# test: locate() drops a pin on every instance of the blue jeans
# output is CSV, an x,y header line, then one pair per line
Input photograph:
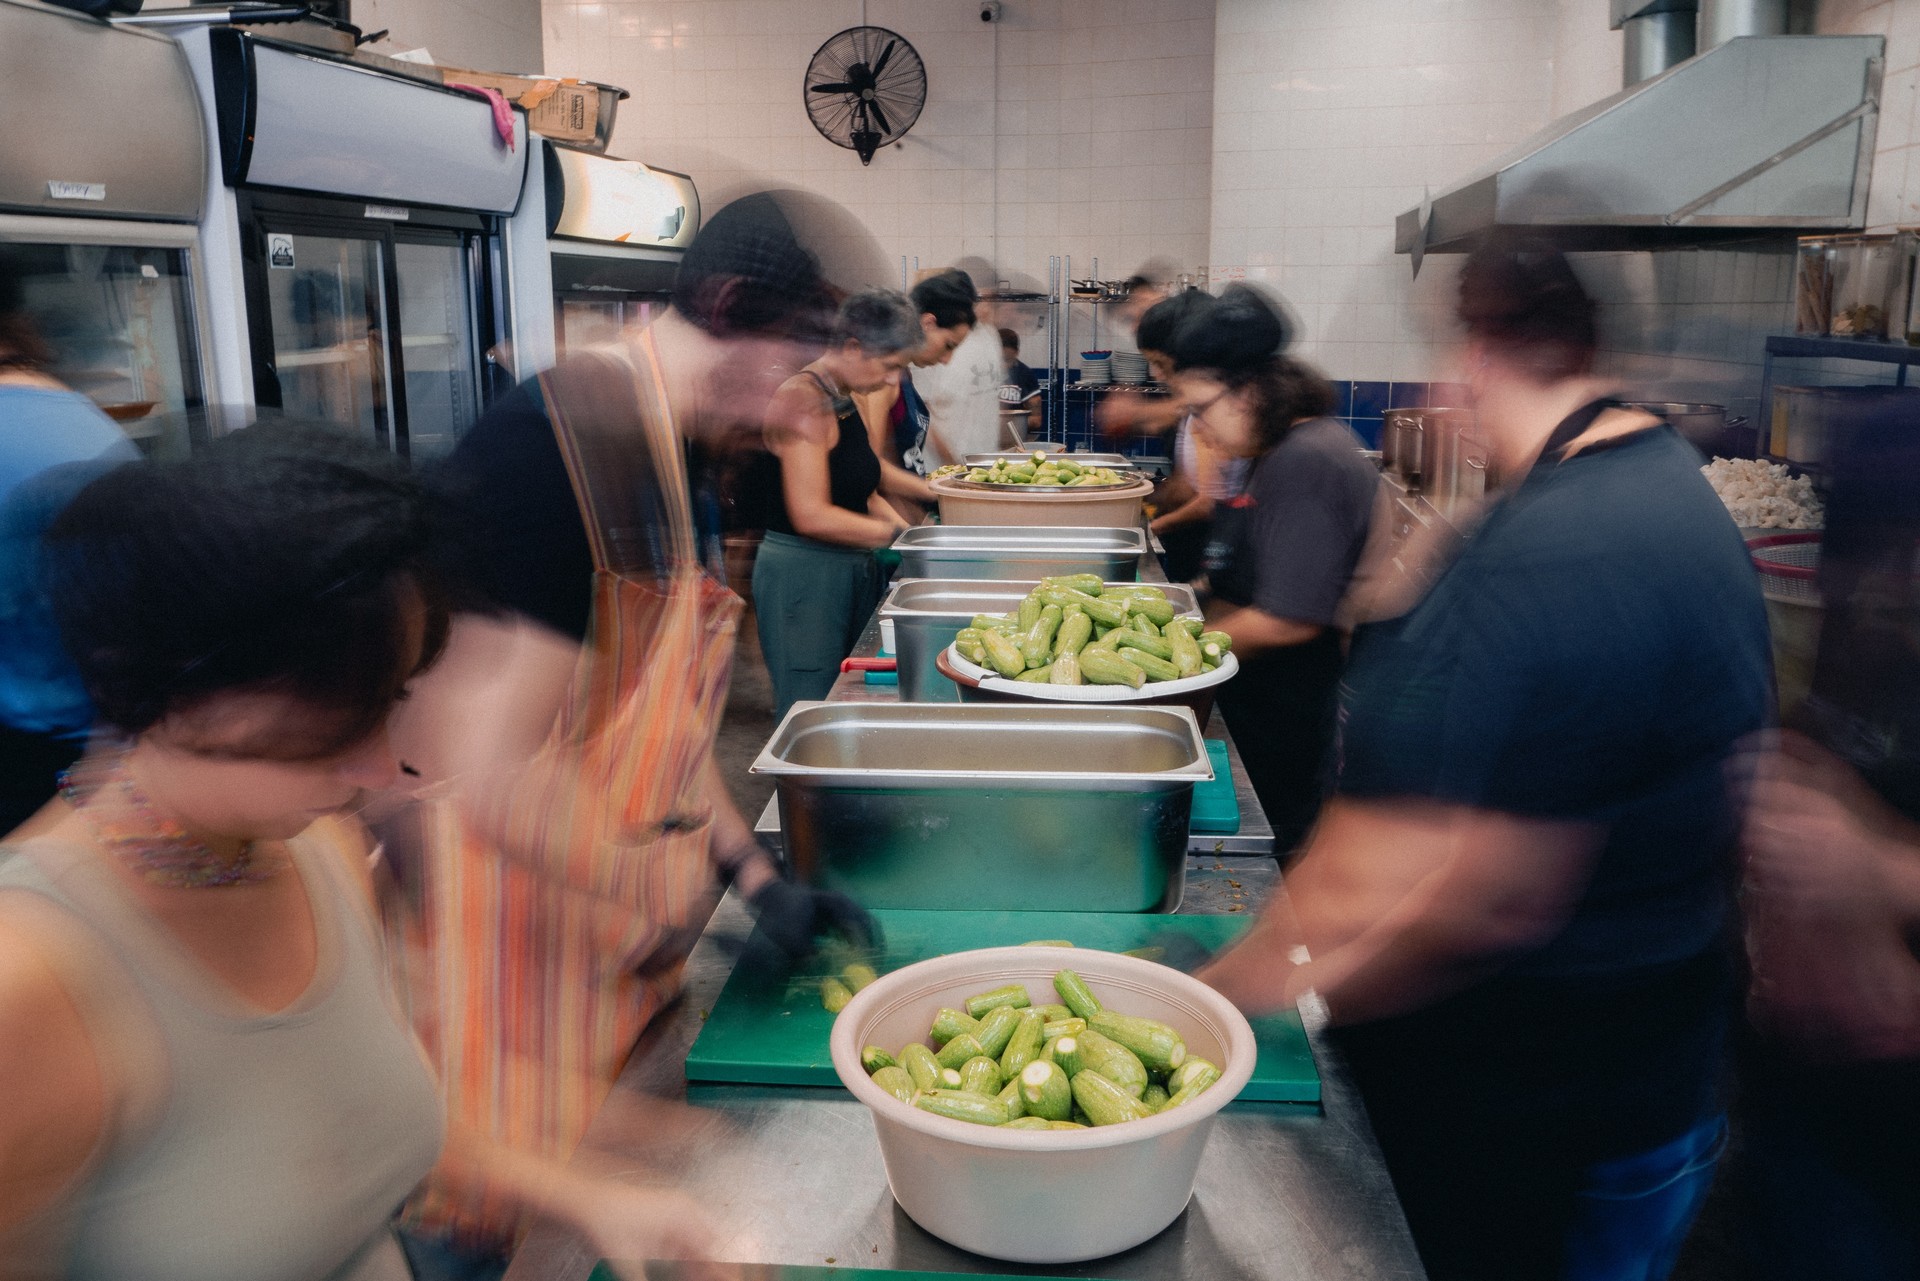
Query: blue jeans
x,y
1631,1214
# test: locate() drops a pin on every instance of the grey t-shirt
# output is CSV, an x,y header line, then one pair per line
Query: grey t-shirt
x,y
1288,545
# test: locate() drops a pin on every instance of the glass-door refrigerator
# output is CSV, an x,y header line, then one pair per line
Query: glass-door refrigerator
x,y
98,214
618,230
370,210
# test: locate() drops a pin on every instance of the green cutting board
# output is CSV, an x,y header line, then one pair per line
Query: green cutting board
x,y
779,1036
656,1270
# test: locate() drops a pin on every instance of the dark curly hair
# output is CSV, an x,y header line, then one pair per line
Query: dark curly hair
x,y
1281,391
283,559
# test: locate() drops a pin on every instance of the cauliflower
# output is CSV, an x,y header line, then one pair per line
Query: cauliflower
x,y
1762,495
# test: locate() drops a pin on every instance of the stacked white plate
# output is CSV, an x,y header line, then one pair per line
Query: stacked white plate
x,y
1130,367
1096,369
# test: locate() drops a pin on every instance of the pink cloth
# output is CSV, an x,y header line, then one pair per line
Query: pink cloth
x,y
502,110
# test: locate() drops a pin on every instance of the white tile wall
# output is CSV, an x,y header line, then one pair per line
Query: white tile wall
x,y
1331,117
481,35
1079,127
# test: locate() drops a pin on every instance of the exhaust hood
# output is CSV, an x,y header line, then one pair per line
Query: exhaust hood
x,y
1762,134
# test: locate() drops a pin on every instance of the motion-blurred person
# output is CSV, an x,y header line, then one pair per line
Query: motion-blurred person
x,y
1021,390
1517,907
1202,476
1830,1080
52,441
963,392
203,1071
816,579
897,418
578,832
1282,552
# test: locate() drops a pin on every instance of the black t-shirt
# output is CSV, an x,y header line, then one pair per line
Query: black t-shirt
x,y
1289,544
1594,654
519,542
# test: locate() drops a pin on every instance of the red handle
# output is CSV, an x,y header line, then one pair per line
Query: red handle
x,y
869,664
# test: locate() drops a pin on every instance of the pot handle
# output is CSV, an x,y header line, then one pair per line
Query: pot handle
x,y
1738,420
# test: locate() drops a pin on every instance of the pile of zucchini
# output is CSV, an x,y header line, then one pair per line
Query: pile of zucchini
x,y
1005,1061
1040,469
1076,630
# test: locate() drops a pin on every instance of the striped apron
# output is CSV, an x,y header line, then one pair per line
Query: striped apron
x,y
536,963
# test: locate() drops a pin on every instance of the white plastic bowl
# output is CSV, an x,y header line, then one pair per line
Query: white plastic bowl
x,y
1056,1196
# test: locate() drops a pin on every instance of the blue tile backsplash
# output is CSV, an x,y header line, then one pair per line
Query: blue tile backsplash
x,y
1362,404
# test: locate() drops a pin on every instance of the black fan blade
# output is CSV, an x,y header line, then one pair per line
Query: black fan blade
x,y
838,86
881,65
879,116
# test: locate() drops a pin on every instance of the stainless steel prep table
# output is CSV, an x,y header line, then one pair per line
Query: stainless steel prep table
x,y
792,1175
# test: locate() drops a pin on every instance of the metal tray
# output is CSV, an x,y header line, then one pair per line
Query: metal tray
x,y
1012,553
927,613
995,808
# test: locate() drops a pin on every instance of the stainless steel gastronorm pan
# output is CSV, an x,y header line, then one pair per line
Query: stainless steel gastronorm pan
x,y
989,807
1014,552
927,613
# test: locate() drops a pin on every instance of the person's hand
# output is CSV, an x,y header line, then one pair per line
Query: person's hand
x,y
1175,949
1115,413
632,1224
793,918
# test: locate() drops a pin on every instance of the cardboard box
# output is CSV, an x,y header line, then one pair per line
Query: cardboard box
x,y
564,110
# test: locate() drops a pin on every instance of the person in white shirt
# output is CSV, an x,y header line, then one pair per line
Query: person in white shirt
x,y
963,395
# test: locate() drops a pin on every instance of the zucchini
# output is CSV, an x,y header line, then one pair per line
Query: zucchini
x,y
873,1058
1159,609
1075,994
1155,645
1103,1101
1100,665
1024,1045
1216,645
1003,656
834,995
895,1081
1009,1098
1028,1123
997,1029
1076,629
1138,622
1037,645
980,1075
1065,670
857,976
1069,1026
1089,584
1054,1013
959,1050
961,1106
920,1064
1187,658
1191,626
1013,995
1045,1091
1027,615
1194,1086
1037,675
1155,1044
990,623
972,646
949,1078
1156,669
1194,1066
1065,1125
949,1023
1156,1096
1065,1051
1114,1061
1102,609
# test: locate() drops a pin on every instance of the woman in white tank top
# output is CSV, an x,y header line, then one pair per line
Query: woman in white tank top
x,y
203,1074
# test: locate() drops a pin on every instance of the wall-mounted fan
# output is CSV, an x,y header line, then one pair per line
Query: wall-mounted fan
x,y
864,89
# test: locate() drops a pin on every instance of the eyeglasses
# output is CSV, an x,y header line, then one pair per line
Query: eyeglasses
x,y
1199,409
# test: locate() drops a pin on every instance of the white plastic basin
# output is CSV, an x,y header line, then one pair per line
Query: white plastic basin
x,y
1042,1196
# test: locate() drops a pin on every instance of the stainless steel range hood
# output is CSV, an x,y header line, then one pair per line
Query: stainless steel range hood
x,y
1766,134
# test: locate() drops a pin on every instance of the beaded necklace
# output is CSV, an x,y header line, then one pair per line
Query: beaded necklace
x,y
150,842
